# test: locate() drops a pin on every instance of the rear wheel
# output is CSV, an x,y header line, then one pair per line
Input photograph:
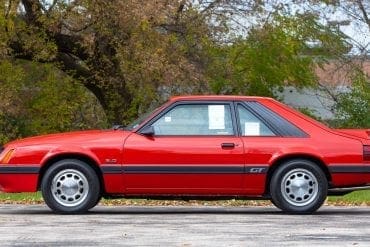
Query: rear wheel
x,y
97,202
298,186
70,186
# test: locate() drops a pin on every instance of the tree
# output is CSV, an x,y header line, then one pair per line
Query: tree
x,y
10,85
353,107
354,13
133,54
37,99
282,51
122,51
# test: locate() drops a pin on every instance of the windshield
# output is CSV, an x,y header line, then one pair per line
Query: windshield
x,y
140,119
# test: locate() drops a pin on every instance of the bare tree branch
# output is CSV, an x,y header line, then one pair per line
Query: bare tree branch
x,y
33,10
364,13
211,5
52,6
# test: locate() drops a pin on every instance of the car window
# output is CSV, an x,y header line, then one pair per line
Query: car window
x,y
196,119
277,122
141,119
250,125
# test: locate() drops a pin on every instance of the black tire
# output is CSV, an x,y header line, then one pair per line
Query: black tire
x,y
96,203
275,204
70,186
298,186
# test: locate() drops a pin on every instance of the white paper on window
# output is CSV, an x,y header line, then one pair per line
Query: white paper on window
x,y
167,119
252,129
216,117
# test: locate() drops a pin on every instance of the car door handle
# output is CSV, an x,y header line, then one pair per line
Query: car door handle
x,y
228,145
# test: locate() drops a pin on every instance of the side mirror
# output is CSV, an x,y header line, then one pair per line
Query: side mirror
x,y
148,131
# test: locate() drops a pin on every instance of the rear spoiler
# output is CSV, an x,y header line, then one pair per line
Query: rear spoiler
x,y
362,133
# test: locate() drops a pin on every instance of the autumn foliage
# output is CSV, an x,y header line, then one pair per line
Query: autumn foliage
x,y
90,63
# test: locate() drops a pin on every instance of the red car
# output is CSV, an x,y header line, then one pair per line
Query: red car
x,y
194,147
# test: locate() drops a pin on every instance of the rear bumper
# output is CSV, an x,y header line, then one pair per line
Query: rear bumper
x,y
349,175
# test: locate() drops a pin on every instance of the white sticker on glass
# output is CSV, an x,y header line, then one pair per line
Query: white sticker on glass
x,y
216,117
252,129
167,119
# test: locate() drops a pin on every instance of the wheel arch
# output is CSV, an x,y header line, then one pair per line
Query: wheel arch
x,y
77,156
302,156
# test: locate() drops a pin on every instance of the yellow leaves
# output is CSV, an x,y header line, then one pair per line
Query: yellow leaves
x,y
36,41
221,203
144,25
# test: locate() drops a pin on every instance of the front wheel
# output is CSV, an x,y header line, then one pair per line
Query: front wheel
x,y
298,186
70,186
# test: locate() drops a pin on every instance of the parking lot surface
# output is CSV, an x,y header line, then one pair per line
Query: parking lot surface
x,y
35,225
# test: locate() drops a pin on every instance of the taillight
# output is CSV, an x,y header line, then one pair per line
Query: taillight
x,y
367,153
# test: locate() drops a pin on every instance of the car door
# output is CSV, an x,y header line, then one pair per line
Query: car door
x,y
194,150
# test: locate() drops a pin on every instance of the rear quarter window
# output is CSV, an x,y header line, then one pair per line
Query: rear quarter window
x,y
278,123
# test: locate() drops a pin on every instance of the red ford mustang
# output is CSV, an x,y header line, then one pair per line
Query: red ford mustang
x,y
198,147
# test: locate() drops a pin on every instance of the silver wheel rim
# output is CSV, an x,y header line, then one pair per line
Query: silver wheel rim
x,y
299,187
70,187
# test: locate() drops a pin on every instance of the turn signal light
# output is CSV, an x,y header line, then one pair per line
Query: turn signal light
x,y
367,153
7,156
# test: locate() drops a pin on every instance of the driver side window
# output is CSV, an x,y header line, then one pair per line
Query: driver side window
x,y
196,119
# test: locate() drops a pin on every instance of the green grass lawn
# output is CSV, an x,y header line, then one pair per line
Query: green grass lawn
x,y
26,198
361,197
354,198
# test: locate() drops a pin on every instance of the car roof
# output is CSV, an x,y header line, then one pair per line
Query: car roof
x,y
216,97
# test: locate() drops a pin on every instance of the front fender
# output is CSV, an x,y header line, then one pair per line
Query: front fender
x,y
70,150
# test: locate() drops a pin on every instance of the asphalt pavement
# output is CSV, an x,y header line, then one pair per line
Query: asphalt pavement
x,y
35,225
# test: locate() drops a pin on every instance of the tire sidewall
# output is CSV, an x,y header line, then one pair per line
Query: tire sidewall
x,y
277,194
92,179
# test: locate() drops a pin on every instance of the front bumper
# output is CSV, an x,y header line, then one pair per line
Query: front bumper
x,y
18,178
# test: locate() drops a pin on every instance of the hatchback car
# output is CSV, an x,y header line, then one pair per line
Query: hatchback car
x,y
194,147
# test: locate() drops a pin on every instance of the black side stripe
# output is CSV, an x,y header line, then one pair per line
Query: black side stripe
x,y
183,169
350,169
111,169
142,169
180,169
19,169
260,169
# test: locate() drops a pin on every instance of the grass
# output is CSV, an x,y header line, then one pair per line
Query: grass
x,y
361,197
355,198
21,198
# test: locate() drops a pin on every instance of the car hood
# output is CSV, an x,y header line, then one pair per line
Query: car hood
x,y
75,137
